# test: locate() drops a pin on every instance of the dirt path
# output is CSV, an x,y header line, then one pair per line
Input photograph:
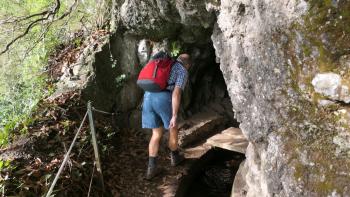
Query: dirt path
x,y
126,167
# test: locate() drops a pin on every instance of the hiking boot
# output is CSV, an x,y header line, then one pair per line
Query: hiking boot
x,y
176,159
152,172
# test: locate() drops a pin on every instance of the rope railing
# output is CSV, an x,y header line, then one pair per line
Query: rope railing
x,y
102,112
66,158
97,162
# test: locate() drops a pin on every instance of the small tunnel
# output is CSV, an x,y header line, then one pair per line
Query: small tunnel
x,y
211,174
206,88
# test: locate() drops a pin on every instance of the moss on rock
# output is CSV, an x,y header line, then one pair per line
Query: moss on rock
x,y
316,46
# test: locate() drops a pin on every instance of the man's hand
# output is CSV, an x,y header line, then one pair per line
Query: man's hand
x,y
173,122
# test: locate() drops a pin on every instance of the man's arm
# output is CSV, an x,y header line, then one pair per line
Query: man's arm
x,y
176,99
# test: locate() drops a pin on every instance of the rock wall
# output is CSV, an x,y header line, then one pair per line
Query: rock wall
x,y
286,66
273,55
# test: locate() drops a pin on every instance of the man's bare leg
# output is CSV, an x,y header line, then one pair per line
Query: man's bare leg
x,y
175,157
173,139
153,146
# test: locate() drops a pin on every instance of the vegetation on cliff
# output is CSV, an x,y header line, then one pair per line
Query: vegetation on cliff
x,y
31,32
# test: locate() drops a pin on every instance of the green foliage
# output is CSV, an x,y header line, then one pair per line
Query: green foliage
x,y
175,48
119,80
22,69
4,164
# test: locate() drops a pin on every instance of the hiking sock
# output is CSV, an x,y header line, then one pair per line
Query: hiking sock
x,y
152,162
176,158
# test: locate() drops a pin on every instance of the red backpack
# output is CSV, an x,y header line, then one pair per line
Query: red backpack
x,y
154,76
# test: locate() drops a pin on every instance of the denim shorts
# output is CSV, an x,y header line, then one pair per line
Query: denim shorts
x,y
156,109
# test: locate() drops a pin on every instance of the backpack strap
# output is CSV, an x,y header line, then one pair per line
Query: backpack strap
x,y
155,69
175,61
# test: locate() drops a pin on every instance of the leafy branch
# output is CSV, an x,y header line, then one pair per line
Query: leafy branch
x,y
45,17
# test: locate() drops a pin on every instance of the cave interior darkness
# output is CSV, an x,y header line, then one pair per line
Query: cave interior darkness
x,y
213,173
206,87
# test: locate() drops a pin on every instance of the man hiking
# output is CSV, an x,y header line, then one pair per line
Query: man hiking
x,y
160,110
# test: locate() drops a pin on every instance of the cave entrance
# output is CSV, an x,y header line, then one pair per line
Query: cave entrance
x,y
206,106
206,90
209,133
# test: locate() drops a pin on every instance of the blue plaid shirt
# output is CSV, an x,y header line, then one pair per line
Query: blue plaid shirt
x,y
178,77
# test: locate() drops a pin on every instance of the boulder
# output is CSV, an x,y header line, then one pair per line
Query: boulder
x,y
330,85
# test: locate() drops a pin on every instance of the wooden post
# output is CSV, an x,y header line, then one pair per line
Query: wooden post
x,y
94,144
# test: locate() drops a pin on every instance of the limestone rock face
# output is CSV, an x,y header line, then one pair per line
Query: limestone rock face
x,y
162,19
269,53
143,51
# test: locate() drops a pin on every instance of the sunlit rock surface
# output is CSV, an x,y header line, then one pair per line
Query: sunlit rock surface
x,y
330,85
